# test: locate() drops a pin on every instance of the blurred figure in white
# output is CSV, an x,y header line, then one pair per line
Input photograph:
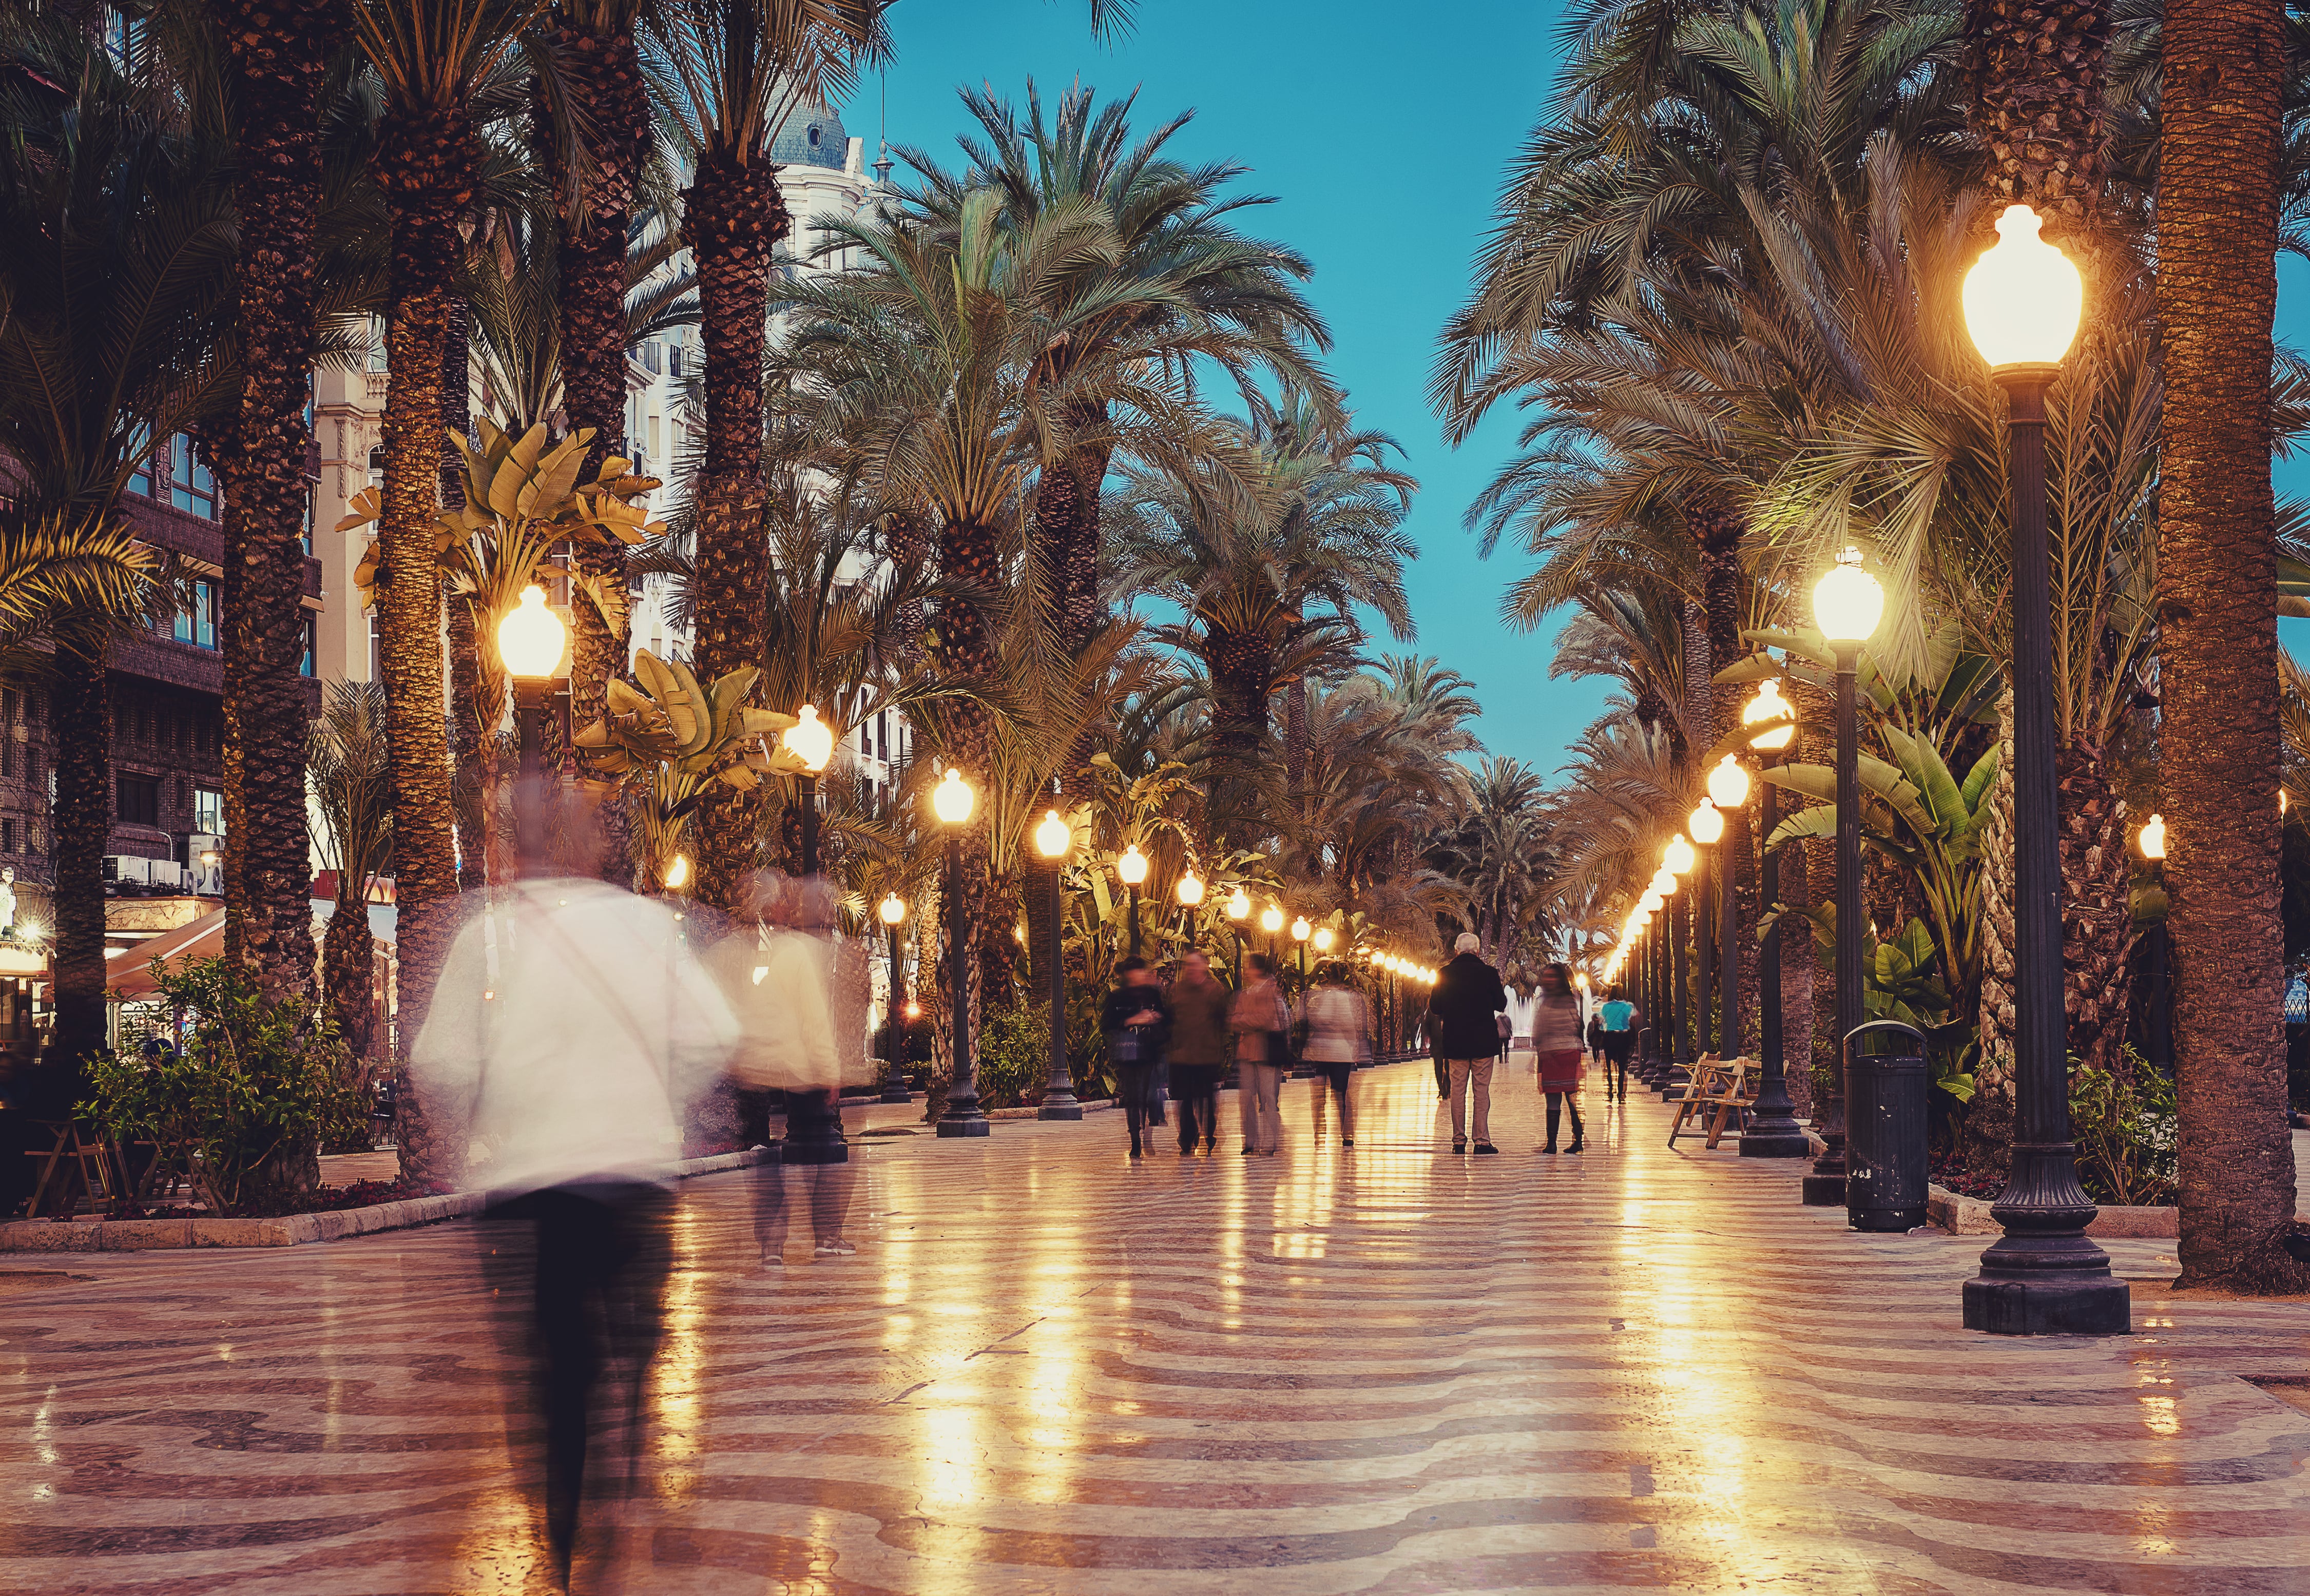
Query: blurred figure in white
x,y
571,1030
778,976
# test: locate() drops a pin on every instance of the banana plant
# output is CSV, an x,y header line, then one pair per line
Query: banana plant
x,y
671,739
1901,979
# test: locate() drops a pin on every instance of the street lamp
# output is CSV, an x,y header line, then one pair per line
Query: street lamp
x,y
1133,868
1846,604
810,741
892,913
1728,789
531,642
952,800
2159,1004
1053,839
1773,1130
1271,921
1706,825
1239,910
1190,891
2023,299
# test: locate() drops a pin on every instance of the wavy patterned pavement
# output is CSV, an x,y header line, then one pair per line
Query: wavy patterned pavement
x,y
1381,1370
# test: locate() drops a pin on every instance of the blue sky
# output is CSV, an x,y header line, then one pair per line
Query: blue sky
x,y
1383,144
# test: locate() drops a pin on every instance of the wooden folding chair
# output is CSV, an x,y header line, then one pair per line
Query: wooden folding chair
x,y
72,1155
1698,1093
1737,1093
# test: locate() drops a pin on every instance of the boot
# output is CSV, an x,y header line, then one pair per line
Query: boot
x,y
1555,1115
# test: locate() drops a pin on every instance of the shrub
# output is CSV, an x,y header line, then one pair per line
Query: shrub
x,y
2124,1126
1014,1054
257,1078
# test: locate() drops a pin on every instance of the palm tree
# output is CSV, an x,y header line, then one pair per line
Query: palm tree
x,y
2224,73
115,293
2036,104
350,763
428,56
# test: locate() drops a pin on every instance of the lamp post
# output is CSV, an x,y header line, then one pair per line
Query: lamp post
x,y
1706,825
1054,838
531,641
892,912
1133,868
1728,789
2159,1019
2022,301
1239,910
953,800
1677,859
1773,1130
810,741
1271,921
1190,891
1847,603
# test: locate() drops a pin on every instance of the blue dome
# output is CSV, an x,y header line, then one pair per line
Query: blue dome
x,y
813,136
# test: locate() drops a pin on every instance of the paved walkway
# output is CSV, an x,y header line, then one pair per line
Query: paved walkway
x,y
1382,1370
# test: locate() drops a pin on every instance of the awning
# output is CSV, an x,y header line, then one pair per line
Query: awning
x,y
130,977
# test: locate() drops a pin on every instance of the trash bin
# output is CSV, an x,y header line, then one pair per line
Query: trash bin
x,y
1885,1094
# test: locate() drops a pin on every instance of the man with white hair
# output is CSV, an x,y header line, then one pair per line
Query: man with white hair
x,y
1465,1003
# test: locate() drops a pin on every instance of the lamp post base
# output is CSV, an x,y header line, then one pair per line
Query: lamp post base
x,y
894,1086
2046,1276
980,1127
1775,1139
1059,1104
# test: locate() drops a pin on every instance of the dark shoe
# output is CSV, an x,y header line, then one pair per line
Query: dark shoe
x,y
1460,1145
1549,1148
1486,1146
1347,1141
1575,1147
1247,1150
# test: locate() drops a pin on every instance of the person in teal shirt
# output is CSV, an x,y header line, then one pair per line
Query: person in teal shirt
x,y
1619,1018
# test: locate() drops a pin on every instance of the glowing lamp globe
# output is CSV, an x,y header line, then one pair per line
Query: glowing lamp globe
x,y
1324,938
1271,918
1053,836
1132,866
1239,905
1650,903
1706,823
1847,603
2023,298
953,800
2153,839
1299,929
810,740
1678,857
1771,719
1663,883
531,636
677,874
1190,890
1728,783
893,909
1580,979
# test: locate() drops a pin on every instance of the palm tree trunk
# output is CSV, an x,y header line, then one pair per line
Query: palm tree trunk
x,y
348,958
2096,908
2035,68
732,220
1066,537
1719,533
1989,1117
425,165
2224,73
1238,671
970,559
472,727
279,54
79,820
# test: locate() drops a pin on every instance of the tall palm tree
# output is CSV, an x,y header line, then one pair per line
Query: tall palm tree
x,y
2036,108
116,295
2225,75
428,56
350,763
734,70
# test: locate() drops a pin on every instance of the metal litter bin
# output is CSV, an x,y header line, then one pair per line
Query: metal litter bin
x,y
1885,1093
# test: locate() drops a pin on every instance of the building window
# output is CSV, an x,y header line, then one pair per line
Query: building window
x,y
674,361
7,836
653,357
208,812
139,800
305,664
176,474
197,622
377,343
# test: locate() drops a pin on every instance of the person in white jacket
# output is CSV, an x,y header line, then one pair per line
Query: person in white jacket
x,y
571,1030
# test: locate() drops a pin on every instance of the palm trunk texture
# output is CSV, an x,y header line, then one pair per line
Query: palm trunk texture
x,y
732,220
348,966
1719,533
2035,68
2096,908
279,52
425,165
2225,71
1239,668
1989,1117
81,710
970,560
473,725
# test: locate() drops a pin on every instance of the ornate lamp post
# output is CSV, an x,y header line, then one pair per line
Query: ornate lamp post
x,y
1706,825
1133,869
1773,1130
1846,604
1190,891
953,800
531,642
2023,299
2159,1019
1053,839
1239,910
892,913
1728,789
810,741
1271,921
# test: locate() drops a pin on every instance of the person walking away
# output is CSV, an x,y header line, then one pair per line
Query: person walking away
x,y
1197,1052
1137,1020
572,1032
1339,1025
1465,1003
1619,1018
1263,1052
1556,1039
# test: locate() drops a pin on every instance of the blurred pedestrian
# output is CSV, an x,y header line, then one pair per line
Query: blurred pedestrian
x,y
1263,1052
569,1034
1619,1018
1339,1026
1137,1022
1465,1002
1197,1052
1556,1039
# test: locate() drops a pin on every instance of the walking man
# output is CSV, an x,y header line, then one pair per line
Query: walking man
x,y
1465,1003
1198,1053
1137,1022
1620,1019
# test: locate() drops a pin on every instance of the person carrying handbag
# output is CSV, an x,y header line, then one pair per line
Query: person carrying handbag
x,y
1556,1038
1261,1025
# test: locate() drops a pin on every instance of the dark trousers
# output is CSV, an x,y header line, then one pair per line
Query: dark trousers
x,y
1195,1089
1619,1046
591,1259
1136,1085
